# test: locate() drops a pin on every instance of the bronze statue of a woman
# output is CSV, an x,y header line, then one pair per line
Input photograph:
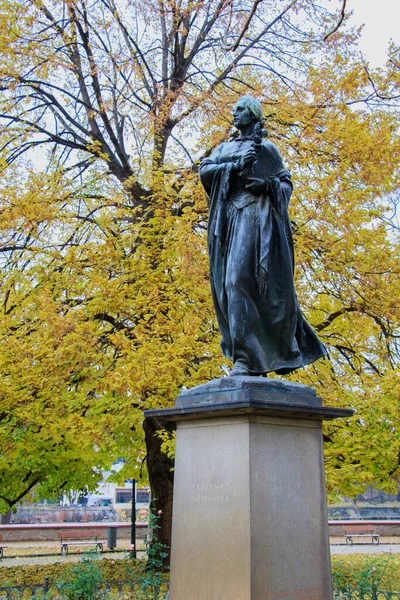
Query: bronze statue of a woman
x,y
251,252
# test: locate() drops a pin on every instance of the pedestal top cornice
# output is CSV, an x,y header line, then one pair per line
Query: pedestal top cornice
x,y
238,396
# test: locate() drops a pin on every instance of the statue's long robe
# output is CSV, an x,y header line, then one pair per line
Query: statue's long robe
x,y
251,264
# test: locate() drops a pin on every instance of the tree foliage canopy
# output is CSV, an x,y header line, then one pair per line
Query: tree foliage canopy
x,y
105,110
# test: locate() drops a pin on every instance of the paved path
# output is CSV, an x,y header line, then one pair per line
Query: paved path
x,y
336,548
48,560
50,554
360,548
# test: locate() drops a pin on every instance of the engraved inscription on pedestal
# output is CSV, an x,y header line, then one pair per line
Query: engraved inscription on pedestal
x,y
210,493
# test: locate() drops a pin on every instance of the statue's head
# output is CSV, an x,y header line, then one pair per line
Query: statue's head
x,y
246,110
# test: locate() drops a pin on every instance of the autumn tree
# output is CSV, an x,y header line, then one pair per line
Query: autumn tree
x,y
345,164
106,109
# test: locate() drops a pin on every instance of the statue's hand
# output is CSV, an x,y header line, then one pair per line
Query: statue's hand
x,y
248,158
257,185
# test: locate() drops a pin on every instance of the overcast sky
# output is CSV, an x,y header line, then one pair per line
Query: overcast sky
x,y
382,22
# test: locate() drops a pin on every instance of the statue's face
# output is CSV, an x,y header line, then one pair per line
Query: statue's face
x,y
242,115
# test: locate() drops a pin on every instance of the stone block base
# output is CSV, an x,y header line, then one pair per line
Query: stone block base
x,y
249,515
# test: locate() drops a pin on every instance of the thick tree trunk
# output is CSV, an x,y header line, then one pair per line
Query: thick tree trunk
x,y
5,519
161,477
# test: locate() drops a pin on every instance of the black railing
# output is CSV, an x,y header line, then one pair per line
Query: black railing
x,y
47,591
32,592
361,594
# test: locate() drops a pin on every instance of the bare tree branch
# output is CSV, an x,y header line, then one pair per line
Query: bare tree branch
x,y
340,21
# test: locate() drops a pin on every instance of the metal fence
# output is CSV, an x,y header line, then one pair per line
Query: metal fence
x,y
24,591
47,591
32,592
365,595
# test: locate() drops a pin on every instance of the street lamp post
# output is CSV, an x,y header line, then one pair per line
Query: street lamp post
x,y
133,519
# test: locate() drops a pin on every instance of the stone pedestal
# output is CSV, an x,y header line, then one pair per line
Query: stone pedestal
x,y
249,515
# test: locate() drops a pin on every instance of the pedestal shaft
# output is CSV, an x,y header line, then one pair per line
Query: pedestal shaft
x,y
249,519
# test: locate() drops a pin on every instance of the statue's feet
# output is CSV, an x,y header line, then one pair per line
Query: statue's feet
x,y
239,371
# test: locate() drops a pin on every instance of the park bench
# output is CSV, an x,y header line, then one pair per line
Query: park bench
x,y
75,538
361,531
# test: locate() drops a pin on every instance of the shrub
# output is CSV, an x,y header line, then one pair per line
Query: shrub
x,y
29,574
366,573
83,580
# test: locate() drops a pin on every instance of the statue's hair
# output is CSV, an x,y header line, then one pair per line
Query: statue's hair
x,y
256,109
253,105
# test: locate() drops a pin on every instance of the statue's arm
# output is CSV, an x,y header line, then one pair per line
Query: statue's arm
x,y
283,174
287,189
210,166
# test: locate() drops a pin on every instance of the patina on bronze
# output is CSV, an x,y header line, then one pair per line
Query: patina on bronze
x,y
251,252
